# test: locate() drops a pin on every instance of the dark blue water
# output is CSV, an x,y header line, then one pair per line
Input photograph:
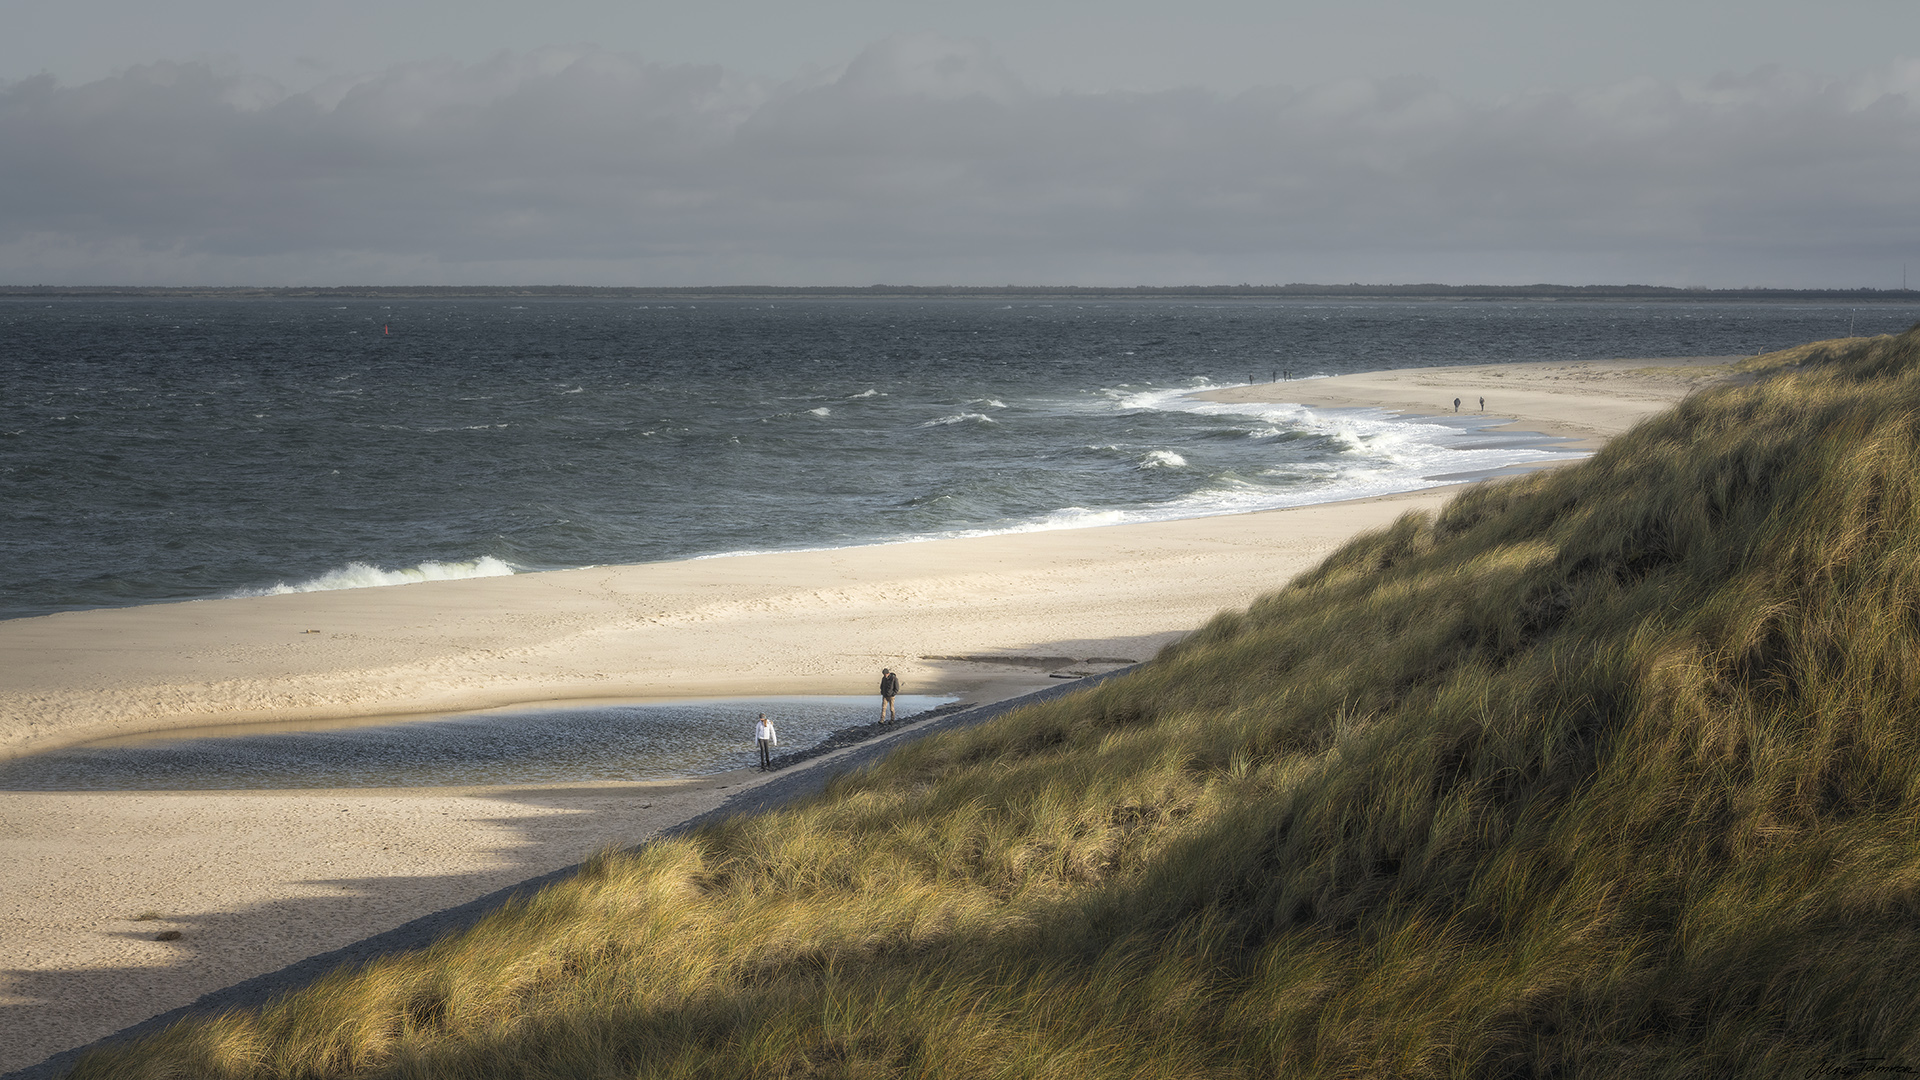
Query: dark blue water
x,y
155,450
521,746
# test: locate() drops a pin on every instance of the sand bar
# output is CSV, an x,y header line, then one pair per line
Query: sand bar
x,y
1584,400
257,880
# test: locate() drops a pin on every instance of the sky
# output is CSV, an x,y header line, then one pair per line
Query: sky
x,y
854,142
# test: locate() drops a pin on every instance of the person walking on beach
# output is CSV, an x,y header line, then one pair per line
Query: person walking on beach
x,y
1456,404
889,686
763,735
1483,404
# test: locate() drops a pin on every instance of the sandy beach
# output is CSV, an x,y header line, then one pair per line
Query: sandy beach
x,y
1583,400
256,880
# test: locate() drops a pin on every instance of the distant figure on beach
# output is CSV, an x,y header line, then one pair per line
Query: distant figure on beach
x,y
889,686
1456,404
1483,404
763,735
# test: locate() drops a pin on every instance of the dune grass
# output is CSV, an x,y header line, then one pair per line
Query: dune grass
x,y
1609,771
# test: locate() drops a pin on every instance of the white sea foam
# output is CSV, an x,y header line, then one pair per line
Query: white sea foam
x,y
1354,454
1166,397
865,393
359,575
1360,453
960,418
822,411
1072,517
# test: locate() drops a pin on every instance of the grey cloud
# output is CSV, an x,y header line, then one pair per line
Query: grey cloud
x,y
925,160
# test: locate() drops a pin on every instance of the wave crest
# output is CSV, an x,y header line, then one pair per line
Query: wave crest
x,y
359,575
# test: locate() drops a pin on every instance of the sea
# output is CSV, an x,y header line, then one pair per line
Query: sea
x,y
160,450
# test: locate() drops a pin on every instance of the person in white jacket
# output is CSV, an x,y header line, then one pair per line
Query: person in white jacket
x,y
763,734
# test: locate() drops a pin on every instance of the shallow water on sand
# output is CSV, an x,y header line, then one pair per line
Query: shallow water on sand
x,y
518,746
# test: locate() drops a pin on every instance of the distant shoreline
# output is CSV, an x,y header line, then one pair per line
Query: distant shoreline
x,y
1542,292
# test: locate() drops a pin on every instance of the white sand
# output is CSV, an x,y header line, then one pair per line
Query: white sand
x,y
257,880
1586,400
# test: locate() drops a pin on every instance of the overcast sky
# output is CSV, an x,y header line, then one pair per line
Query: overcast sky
x,y
848,142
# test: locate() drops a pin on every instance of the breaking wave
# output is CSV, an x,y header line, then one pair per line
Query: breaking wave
x,y
359,575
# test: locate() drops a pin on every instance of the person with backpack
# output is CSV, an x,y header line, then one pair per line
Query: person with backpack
x,y
889,686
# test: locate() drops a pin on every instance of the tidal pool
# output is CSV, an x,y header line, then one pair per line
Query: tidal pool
x,y
509,746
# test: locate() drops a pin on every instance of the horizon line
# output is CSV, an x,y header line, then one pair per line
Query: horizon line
x,y
1296,289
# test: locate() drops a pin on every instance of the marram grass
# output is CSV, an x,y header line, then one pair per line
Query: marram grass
x,y
1610,771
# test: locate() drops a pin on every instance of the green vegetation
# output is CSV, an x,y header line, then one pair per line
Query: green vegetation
x,y
1608,771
